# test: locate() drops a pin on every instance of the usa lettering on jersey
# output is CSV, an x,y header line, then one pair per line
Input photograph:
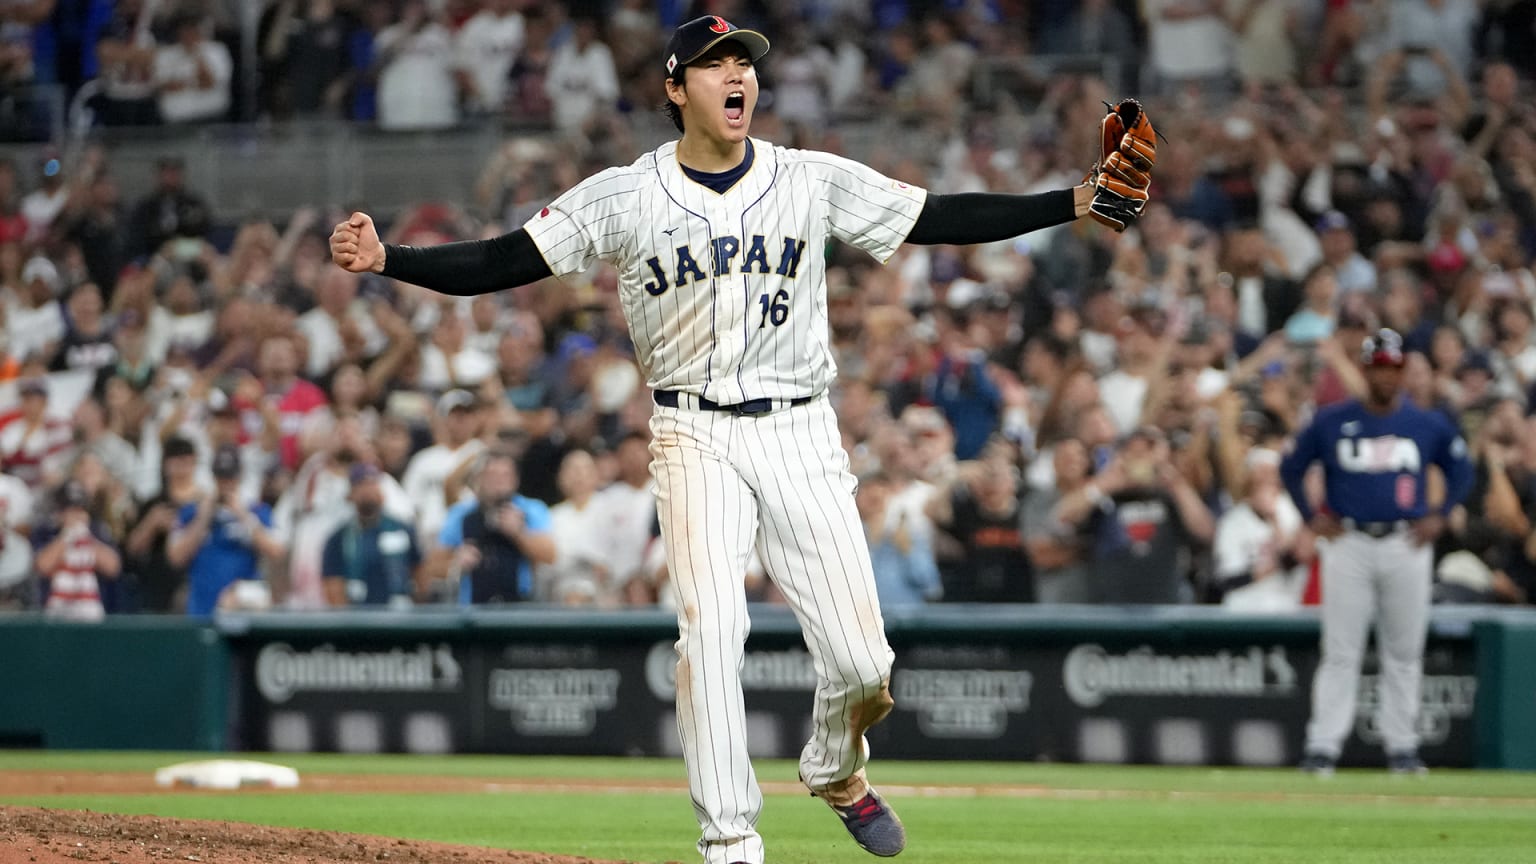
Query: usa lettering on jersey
x,y
1387,454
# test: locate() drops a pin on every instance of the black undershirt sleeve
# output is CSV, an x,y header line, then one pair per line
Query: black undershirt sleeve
x,y
985,217
469,267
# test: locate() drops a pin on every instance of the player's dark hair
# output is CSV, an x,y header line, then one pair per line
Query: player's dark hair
x,y
674,113
670,108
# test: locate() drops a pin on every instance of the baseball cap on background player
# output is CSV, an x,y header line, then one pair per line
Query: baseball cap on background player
x,y
692,39
1382,348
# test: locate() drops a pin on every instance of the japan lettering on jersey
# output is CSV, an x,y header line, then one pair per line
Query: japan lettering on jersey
x,y
725,294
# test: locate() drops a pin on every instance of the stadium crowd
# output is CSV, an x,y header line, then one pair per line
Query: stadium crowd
x,y
200,417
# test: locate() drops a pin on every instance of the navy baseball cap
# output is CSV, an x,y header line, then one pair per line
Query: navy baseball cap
x,y
1383,348
691,40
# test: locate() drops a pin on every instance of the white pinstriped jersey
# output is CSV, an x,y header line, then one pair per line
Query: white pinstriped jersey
x,y
726,293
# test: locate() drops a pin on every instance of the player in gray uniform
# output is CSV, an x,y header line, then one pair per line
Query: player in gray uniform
x,y
1376,534
718,240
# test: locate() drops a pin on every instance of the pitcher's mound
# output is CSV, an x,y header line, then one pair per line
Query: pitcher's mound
x,y
30,835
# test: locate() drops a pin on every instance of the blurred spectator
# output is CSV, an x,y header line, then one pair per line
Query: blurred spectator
x,y
1094,27
1490,529
802,77
1518,561
287,395
1420,29
1141,355
1144,520
35,320
222,540
373,558
126,56
34,447
490,545
936,78
303,50
1258,543
93,221
336,308
980,509
960,385
456,430
394,446
87,344
417,89
1264,31
13,225
1317,317
581,83
193,74
1264,299
17,69
16,556
902,560
92,435
169,212
1498,108
1189,43
42,205
487,44
580,574
528,99
447,360
74,555
162,586
1340,251
1513,352
628,509
1057,549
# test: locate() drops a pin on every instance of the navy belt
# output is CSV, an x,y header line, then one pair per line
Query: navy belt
x,y
678,399
1377,530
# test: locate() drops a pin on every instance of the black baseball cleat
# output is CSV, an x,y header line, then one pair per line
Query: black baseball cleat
x,y
874,825
1406,763
1317,764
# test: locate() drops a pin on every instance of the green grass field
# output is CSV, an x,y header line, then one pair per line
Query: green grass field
x,y
1062,814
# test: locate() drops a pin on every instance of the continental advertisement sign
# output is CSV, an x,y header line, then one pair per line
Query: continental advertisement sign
x,y
1219,699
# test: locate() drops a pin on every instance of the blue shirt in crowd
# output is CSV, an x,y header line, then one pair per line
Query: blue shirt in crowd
x,y
535,518
226,556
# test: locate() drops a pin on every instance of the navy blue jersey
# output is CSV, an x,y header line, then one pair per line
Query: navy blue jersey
x,y
1374,465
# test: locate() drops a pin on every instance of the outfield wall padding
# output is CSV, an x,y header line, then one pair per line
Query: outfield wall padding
x,y
1157,685
126,683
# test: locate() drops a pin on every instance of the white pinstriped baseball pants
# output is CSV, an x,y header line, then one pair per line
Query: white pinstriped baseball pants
x,y
779,481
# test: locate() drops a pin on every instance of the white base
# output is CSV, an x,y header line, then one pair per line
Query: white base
x,y
227,774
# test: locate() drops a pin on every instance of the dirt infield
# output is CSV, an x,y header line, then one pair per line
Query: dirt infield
x,y
31,835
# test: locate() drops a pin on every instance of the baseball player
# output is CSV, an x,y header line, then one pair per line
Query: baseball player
x,y
717,239
1375,538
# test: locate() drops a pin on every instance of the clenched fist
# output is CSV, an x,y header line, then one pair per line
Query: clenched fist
x,y
355,245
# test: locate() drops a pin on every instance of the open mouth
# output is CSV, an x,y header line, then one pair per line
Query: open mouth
x,y
735,106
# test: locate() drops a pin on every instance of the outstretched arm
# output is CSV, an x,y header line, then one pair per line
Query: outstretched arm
x,y
465,268
986,217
